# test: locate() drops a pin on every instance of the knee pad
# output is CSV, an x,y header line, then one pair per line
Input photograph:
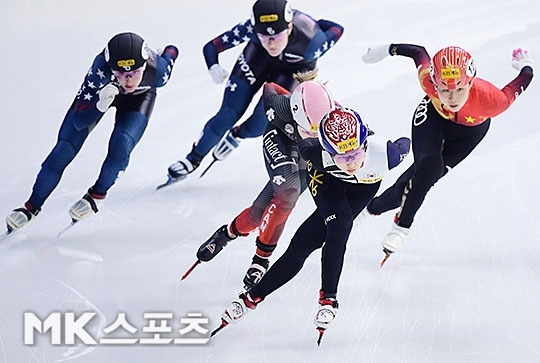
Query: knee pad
x,y
286,199
61,155
222,122
253,126
120,147
339,222
429,169
245,223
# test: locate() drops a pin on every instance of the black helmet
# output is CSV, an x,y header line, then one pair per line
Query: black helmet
x,y
270,17
126,51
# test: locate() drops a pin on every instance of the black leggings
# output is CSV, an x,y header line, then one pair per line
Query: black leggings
x,y
329,226
438,145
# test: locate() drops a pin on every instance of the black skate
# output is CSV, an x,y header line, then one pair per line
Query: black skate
x,y
211,247
255,272
214,244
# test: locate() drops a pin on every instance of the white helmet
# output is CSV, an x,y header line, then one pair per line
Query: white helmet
x,y
310,101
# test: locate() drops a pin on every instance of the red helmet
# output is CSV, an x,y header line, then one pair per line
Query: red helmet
x,y
452,67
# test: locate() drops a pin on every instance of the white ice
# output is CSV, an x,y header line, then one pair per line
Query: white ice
x,y
465,288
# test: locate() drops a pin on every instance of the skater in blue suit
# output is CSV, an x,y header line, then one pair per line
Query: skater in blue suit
x,y
280,42
125,76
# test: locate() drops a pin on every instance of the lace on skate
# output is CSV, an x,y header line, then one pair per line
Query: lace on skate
x,y
255,272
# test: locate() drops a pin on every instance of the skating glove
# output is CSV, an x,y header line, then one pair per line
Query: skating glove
x,y
376,53
218,73
521,58
106,97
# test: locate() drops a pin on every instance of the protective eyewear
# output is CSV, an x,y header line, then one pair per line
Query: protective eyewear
x,y
350,157
133,74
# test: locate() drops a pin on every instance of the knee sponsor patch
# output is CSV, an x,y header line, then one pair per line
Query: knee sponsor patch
x,y
331,217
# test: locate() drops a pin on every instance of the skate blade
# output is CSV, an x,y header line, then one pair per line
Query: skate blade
x,y
385,259
190,269
64,230
170,180
8,234
218,329
208,168
321,333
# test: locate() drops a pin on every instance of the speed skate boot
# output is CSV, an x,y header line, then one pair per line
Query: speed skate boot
x,y
394,239
182,168
227,144
86,206
236,310
327,311
239,307
213,245
255,272
18,218
328,306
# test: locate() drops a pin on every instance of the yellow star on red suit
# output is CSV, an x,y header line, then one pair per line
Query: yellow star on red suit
x,y
470,119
